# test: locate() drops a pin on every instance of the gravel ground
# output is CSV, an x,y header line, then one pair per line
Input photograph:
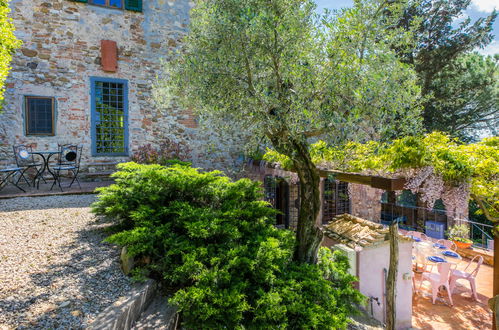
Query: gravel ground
x,y
55,271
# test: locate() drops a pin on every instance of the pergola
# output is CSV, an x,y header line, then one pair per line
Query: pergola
x,y
379,182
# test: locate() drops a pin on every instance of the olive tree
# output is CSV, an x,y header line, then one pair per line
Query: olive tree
x,y
286,75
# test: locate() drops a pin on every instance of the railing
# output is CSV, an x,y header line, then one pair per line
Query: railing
x,y
480,233
407,216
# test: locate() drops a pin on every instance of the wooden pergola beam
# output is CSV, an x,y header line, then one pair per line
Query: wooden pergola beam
x,y
379,182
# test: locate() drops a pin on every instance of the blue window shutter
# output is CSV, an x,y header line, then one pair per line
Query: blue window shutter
x,y
134,5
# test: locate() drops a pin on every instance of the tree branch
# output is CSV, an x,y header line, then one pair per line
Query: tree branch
x,y
484,208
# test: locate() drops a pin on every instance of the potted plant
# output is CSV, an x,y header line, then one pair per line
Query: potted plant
x,y
459,234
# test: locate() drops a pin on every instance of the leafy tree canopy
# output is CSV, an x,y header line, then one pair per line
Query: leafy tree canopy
x,y
8,43
459,88
466,97
281,72
437,41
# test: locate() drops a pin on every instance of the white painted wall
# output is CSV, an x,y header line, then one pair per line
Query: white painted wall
x,y
371,263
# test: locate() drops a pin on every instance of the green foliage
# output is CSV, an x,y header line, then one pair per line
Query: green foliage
x,y
282,74
214,241
459,88
454,162
465,97
8,43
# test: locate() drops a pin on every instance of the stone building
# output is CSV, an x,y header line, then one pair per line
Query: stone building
x,y
85,75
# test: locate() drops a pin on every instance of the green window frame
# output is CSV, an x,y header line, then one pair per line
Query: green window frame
x,y
132,5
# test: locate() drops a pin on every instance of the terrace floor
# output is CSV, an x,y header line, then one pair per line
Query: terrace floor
x,y
465,314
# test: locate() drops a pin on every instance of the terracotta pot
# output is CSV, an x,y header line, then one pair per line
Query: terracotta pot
x,y
462,245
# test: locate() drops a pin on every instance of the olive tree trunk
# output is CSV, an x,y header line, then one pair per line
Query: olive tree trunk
x,y
308,235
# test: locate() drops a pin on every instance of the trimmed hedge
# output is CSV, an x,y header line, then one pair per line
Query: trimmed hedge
x,y
213,240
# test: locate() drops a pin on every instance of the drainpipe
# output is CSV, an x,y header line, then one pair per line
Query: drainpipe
x,y
385,277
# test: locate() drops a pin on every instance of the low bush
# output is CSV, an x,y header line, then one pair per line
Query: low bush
x,y
213,240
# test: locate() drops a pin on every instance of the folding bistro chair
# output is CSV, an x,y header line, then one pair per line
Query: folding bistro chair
x,y
468,275
10,173
25,160
69,161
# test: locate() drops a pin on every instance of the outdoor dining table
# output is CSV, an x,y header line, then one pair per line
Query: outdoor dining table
x,y
426,252
45,155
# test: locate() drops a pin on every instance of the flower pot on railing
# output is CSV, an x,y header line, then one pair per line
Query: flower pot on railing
x,y
463,245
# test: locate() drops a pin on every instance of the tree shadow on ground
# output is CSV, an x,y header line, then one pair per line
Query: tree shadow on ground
x,y
70,293
465,314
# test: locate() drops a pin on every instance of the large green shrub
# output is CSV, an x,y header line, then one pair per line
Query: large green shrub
x,y
214,241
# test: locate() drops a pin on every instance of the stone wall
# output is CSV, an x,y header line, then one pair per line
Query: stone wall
x,y
365,201
61,51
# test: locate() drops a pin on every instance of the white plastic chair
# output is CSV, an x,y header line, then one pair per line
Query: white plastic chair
x,y
470,277
438,280
417,234
448,244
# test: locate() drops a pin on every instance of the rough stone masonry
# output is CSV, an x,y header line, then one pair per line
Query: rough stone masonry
x,y
61,51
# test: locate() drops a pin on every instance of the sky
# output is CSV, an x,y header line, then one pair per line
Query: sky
x,y
478,8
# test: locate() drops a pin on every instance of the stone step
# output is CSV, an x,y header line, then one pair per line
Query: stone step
x,y
99,174
158,315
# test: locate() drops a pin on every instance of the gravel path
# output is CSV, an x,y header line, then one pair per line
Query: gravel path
x,y
55,271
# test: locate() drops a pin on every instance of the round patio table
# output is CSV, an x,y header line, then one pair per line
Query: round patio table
x,y
45,155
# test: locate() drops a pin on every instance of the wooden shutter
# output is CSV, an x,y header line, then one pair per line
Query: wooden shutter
x,y
134,5
109,55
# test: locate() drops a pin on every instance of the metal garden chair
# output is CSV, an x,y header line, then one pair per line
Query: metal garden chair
x,y
448,244
10,173
69,161
25,160
469,274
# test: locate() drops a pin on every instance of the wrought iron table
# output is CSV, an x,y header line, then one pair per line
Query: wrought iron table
x,y
45,155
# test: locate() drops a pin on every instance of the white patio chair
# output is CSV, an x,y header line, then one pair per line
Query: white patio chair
x,y
417,234
448,244
470,277
438,280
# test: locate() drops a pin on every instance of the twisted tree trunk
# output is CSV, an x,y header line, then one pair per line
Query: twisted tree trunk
x,y
309,236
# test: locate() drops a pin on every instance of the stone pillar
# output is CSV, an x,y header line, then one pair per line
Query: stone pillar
x,y
365,201
420,213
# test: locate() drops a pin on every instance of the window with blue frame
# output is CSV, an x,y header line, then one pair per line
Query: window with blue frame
x,y
107,3
109,117
39,115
